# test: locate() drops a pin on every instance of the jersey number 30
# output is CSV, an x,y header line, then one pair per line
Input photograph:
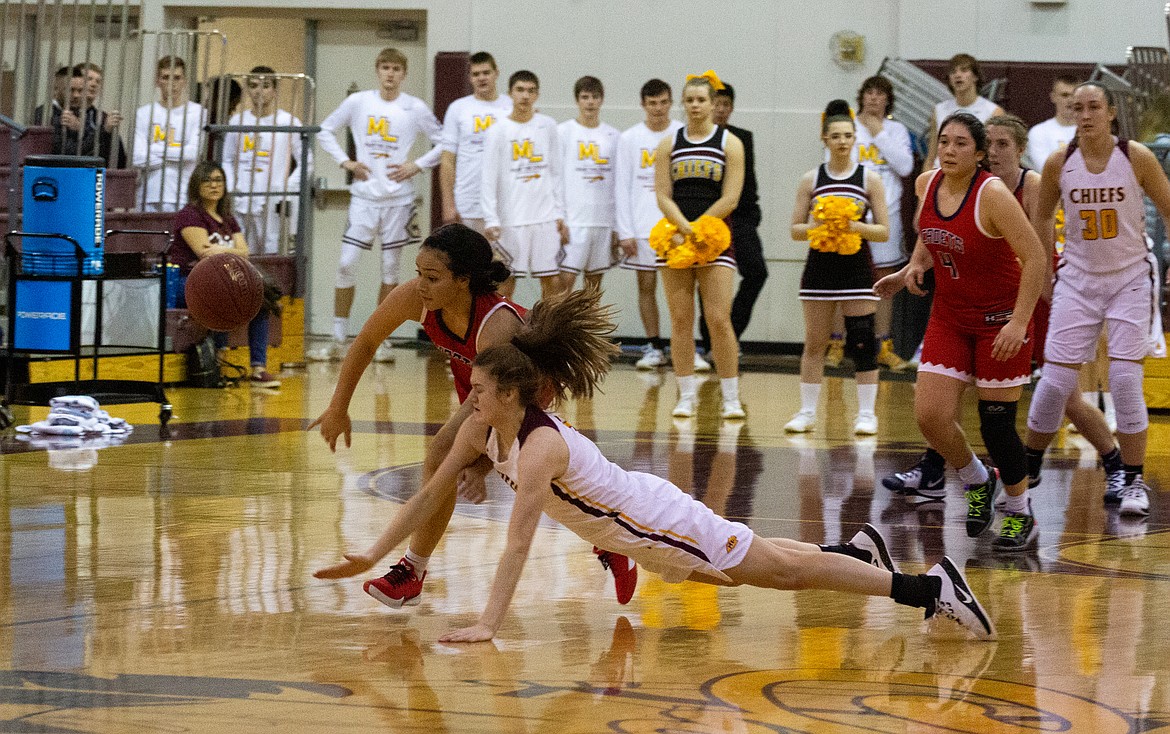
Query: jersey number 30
x,y
1099,226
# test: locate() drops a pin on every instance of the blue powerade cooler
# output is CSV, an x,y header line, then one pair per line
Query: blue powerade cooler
x,y
64,194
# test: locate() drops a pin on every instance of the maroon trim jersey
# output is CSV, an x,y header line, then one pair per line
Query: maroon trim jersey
x,y
462,349
975,275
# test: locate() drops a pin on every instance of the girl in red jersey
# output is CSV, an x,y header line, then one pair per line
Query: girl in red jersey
x,y
989,272
454,298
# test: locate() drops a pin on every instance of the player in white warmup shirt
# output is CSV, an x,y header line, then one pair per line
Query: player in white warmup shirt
x,y
259,163
556,471
1107,275
384,123
168,137
1057,131
588,149
963,79
465,127
521,191
637,209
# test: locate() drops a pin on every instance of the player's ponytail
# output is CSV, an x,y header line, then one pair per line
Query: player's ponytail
x,y
468,255
561,351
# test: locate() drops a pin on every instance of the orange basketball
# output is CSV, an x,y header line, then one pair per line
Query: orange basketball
x,y
224,291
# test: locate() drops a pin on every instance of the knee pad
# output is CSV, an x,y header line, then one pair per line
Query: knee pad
x,y
390,265
860,343
1057,383
1125,382
997,425
347,266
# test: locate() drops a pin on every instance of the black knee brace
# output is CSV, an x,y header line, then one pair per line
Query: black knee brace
x,y
997,425
860,344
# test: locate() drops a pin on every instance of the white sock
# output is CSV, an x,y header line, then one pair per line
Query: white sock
x,y
1017,505
419,562
340,328
1108,397
730,388
866,397
810,395
688,385
974,473
1090,397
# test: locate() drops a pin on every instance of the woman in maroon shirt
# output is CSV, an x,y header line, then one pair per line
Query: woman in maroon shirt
x,y
204,228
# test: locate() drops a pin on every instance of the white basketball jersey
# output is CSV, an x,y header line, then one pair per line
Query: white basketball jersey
x,y
1104,213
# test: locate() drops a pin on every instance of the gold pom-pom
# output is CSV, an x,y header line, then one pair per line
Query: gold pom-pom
x,y
832,234
710,237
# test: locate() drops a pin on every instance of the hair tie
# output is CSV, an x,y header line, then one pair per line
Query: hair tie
x,y
710,76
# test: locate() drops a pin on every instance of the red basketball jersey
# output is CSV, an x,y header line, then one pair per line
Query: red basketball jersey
x,y
462,349
974,274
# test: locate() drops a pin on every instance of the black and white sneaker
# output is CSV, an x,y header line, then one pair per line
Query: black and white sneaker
x,y
956,602
980,507
870,540
921,480
1114,486
1018,532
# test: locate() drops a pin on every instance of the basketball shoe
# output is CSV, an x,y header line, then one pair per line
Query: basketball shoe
x,y
624,570
401,586
889,359
384,354
333,352
980,499
870,540
1114,485
802,422
927,479
732,410
701,364
1018,532
651,359
866,424
685,408
1135,499
957,603
261,378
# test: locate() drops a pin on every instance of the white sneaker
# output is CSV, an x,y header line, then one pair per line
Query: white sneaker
x,y
333,352
701,365
733,409
870,540
916,360
802,422
651,360
383,354
685,407
866,424
1134,498
956,602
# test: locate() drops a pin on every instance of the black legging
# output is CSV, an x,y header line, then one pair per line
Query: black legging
x,y
749,259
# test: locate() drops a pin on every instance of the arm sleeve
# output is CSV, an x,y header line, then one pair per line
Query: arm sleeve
x,y
622,180
429,124
894,143
490,178
336,120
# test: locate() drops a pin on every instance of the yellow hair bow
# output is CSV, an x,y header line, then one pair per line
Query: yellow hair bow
x,y
710,76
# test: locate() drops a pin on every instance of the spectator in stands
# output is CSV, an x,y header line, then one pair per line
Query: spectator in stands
x,y
206,227
964,80
57,103
168,135
1055,132
78,127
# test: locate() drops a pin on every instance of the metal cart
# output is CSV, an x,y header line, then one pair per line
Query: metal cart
x,y
64,277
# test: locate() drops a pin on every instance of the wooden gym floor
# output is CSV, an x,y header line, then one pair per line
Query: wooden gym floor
x,y
164,584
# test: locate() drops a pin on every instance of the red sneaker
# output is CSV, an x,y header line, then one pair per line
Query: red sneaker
x,y
625,573
401,586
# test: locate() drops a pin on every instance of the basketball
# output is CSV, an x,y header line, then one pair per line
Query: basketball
x,y
224,292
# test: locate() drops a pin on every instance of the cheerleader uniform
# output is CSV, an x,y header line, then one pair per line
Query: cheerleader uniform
x,y
830,276
463,349
696,173
642,516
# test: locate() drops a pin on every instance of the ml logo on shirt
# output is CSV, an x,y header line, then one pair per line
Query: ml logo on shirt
x,y
524,149
479,124
380,126
158,136
588,151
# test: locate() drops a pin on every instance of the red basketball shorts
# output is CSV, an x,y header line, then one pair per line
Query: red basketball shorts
x,y
959,346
